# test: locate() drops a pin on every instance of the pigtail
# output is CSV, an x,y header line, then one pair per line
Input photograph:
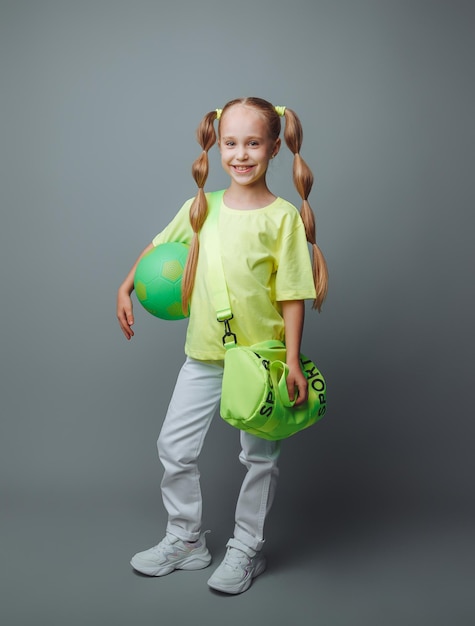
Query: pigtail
x,y
303,181
206,136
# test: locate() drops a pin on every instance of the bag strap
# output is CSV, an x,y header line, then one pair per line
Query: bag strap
x,y
219,288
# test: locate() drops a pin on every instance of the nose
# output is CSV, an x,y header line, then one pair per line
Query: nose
x,y
241,153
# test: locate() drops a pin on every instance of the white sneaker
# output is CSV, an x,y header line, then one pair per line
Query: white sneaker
x,y
237,570
170,554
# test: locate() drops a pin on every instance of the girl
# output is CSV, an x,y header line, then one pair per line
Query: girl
x,y
269,275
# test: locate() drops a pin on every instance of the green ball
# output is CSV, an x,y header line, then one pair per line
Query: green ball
x,y
157,280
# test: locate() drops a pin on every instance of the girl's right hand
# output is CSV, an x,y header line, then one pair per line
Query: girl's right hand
x,y
125,313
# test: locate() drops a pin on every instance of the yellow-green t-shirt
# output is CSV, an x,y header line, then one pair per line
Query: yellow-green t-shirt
x,y
265,259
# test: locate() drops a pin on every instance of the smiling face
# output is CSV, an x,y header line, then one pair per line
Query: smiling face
x,y
246,146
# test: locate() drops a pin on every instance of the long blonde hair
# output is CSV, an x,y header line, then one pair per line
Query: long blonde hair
x,y
302,177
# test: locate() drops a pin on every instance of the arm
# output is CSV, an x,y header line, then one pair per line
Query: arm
x,y
125,313
293,312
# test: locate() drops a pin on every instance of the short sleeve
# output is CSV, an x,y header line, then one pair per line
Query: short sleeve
x,y
179,229
294,276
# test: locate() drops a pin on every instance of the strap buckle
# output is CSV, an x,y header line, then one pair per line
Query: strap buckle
x,y
228,332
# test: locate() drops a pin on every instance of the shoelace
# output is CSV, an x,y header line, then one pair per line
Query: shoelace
x,y
167,547
236,559
163,547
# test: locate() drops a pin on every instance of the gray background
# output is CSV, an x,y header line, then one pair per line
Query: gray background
x,y
373,522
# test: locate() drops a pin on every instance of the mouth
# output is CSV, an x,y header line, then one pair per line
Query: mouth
x,y
241,169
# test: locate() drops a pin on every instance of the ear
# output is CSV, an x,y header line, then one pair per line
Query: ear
x,y
276,149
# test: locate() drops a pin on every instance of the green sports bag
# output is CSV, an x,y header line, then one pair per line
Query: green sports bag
x,y
255,397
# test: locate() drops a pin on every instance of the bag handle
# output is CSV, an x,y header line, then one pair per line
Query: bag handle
x,y
279,371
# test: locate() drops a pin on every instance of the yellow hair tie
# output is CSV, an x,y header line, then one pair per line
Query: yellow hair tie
x,y
280,111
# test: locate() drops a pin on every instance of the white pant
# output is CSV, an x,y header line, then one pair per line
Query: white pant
x,y
192,407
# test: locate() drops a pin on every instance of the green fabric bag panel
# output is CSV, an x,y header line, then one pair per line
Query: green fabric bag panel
x,y
255,396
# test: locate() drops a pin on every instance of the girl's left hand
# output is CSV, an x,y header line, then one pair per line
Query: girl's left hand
x,y
297,385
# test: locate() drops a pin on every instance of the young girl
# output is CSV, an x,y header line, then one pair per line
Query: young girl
x,y
263,243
